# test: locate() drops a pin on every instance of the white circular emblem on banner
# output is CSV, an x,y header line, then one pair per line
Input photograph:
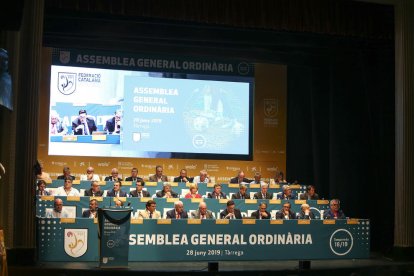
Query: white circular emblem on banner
x,y
341,242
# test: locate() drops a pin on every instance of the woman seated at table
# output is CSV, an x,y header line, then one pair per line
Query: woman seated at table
x,y
193,192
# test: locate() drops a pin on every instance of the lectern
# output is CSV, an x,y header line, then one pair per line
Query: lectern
x,y
114,224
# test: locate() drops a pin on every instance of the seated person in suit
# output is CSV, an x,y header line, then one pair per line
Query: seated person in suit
x,y
113,125
240,178
41,188
217,193
149,212
158,176
309,194
66,173
90,175
263,194
183,177
134,176
202,178
286,193
242,193
92,212
230,212
202,212
56,126
178,212
139,191
280,178
117,191
57,210
335,211
166,192
261,213
193,193
257,179
95,190
285,212
84,124
305,212
114,175
67,189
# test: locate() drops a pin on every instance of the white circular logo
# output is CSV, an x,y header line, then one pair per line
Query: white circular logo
x,y
341,242
110,244
243,68
199,141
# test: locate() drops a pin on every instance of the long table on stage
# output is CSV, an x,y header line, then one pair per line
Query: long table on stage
x,y
70,239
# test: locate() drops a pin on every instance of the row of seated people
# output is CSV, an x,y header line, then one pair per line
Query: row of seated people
x,y
159,176
167,192
178,212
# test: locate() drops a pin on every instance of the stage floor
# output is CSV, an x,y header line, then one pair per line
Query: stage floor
x,y
376,265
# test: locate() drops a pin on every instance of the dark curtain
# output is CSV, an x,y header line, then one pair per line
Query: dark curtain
x,y
341,135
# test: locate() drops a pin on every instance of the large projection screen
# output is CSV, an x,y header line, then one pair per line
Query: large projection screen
x,y
195,114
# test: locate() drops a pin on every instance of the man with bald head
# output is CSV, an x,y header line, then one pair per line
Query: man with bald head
x,y
57,211
114,175
178,212
202,212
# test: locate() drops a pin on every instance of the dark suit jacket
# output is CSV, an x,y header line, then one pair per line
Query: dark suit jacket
x,y
86,213
179,179
213,195
89,121
153,178
129,178
281,215
235,180
162,194
256,215
330,215
258,195
237,213
89,193
303,216
238,196
110,126
63,177
112,193
109,178
144,193
172,215
282,196
307,197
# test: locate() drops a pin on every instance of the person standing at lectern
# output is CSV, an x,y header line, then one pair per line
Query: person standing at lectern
x,y
84,124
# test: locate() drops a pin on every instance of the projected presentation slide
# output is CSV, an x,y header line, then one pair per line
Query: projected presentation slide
x,y
116,113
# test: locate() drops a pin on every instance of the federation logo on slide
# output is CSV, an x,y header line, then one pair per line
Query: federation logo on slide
x,y
76,242
341,242
66,83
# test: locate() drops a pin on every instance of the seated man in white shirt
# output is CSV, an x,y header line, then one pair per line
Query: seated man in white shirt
x,y
202,178
90,175
149,212
57,210
67,189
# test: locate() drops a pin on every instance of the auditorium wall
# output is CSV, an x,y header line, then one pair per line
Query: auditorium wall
x,y
269,136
